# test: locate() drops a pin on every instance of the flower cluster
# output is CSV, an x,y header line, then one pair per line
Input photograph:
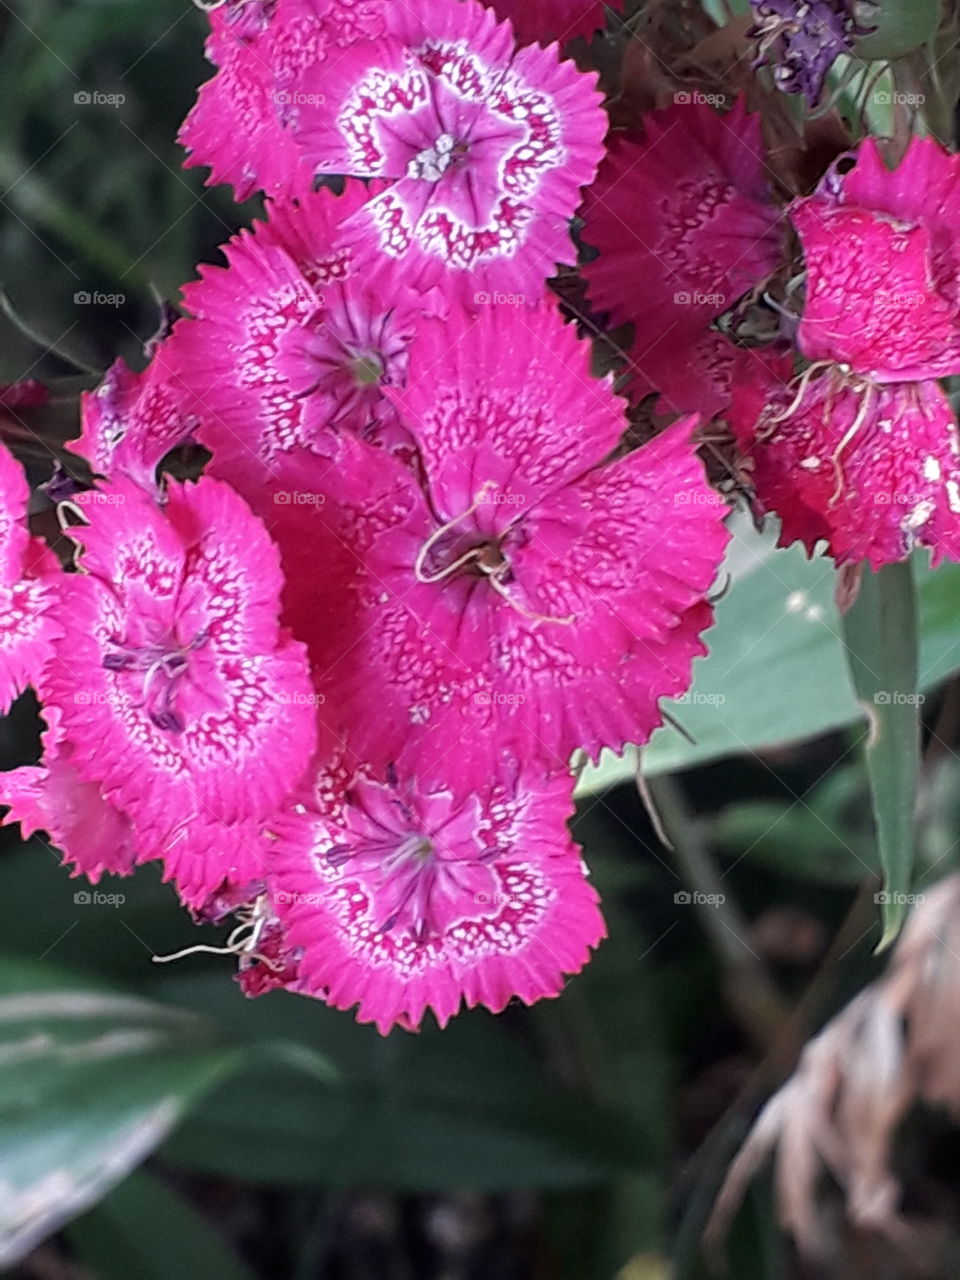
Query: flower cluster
x,y
335,684
861,449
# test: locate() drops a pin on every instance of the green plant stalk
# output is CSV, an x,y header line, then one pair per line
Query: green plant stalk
x,y
37,205
881,632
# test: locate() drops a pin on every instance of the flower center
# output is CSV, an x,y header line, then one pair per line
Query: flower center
x,y
367,370
432,163
163,667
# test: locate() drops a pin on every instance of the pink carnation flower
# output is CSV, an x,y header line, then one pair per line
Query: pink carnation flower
x,y
90,832
27,626
132,421
882,254
238,127
685,224
546,20
179,695
403,900
288,342
873,470
488,148
528,600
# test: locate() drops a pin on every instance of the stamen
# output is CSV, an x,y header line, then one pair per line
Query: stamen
x,y
434,538
867,392
501,590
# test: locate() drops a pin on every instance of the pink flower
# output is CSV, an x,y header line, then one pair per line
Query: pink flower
x,y
180,696
288,342
132,421
402,900
546,20
91,833
27,627
872,469
488,147
238,126
685,224
527,600
882,255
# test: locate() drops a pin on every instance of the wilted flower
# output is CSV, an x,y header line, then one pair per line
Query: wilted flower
x,y
803,38
894,1045
882,256
546,20
686,213
873,469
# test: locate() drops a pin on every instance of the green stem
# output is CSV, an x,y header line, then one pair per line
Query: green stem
x,y
37,205
881,632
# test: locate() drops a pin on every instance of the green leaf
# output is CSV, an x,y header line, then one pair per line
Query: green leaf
x,y
881,634
144,1229
902,25
819,839
776,672
468,1106
90,1082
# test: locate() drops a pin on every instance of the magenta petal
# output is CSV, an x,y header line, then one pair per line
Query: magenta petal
x,y
402,903
178,693
872,470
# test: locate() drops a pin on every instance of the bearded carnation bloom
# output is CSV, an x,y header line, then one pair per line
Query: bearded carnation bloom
x,y
561,20
90,832
27,626
238,127
803,38
404,899
288,342
178,692
132,421
882,256
872,469
487,148
687,212
524,599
